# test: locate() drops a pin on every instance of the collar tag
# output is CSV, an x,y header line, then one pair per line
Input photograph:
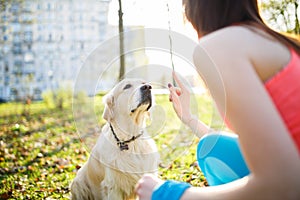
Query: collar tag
x,y
123,146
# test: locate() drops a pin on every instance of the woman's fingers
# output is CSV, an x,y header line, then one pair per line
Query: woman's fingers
x,y
177,80
145,186
176,90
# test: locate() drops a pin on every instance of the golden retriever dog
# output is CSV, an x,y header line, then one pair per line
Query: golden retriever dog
x,y
124,151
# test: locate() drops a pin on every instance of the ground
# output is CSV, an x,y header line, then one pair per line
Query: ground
x,y
41,150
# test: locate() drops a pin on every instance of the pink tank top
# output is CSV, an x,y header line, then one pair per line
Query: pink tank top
x,y
284,89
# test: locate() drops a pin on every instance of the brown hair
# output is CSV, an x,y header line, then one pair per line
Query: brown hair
x,y
207,16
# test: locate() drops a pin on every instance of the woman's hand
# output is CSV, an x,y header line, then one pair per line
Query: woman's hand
x,y
145,186
180,97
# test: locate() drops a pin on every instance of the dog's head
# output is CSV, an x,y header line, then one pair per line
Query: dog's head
x,y
130,98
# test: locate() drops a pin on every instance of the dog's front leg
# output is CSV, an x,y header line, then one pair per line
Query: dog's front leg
x,y
111,193
115,194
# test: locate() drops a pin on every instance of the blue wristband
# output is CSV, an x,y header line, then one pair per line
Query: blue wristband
x,y
170,190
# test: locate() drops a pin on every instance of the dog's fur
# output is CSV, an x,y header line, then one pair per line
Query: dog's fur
x,y
109,172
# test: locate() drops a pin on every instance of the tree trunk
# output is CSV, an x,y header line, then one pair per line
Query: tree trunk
x,y
121,39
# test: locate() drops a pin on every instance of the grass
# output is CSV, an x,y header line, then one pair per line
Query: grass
x,y
40,149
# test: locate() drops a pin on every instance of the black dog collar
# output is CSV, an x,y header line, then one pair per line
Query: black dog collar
x,y
123,145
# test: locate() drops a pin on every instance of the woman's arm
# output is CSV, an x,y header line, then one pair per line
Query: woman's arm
x,y
180,98
266,143
239,94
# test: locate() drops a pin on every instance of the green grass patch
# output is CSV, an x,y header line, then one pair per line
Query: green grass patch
x,y
41,151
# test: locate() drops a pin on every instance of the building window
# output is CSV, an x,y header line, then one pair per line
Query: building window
x,y
37,91
28,36
4,28
1,92
17,49
6,69
4,18
6,80
15,8
14,93
17,80
5,38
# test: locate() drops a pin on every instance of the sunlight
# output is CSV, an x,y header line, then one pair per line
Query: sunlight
x,y
152,14
155,14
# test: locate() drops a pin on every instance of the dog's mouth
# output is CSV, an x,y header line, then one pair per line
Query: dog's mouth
x,y
145,101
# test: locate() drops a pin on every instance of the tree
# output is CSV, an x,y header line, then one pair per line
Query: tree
x,y
282,15
5,3
121,39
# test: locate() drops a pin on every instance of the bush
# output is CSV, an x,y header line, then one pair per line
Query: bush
x,y
63,97
48,98
59,98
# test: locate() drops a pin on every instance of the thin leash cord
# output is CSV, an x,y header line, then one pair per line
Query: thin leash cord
x,y
171,42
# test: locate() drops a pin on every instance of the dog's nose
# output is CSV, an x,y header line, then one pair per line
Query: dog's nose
x,y
146,87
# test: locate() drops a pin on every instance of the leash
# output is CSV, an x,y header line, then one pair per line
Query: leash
x,y
170,41
123,145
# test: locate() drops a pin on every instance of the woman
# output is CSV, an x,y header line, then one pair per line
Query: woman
x,y
252,74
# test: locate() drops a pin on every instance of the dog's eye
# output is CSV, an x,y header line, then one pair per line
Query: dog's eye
x,y
127,86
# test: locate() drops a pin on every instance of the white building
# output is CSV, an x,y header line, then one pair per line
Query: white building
x,y
44,43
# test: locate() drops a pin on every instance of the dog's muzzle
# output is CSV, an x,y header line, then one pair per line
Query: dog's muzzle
x,y
145,97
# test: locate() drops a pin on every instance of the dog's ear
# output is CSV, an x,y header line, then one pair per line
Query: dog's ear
x,y
108,101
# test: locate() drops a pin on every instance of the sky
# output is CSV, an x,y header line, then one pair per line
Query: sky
x,y
152,14
155,14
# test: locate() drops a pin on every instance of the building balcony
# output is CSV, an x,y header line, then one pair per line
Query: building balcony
x,y
17,50
17,72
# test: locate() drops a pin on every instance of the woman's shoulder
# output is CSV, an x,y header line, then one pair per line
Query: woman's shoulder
x,y
240,38
231,34
229,42
244,44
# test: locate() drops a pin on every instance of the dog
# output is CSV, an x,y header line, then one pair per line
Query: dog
x,y
124,151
